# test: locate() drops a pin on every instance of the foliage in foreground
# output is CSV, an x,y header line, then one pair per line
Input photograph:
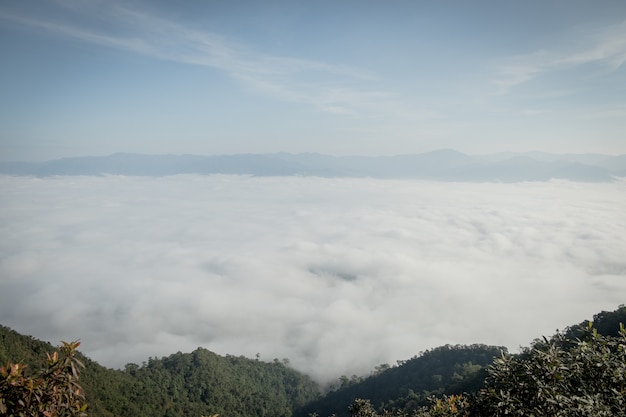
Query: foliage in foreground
x,y
51,392
580,372
559,377
181,384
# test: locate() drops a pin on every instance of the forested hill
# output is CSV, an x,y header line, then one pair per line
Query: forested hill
x,y
443,370
204,383
183,384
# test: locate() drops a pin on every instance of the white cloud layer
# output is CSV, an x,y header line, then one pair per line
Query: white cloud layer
x,y
338,275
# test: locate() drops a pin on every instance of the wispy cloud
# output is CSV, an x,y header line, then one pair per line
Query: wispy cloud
x,y
606,47
131,44
316,83
613,112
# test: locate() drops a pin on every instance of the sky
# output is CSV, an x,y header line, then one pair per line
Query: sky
x,y
337,77
338,275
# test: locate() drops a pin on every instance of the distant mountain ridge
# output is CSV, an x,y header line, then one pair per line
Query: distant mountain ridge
x,y
441,165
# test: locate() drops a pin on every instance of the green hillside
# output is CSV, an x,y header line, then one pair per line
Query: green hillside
x,y
204,383
443,370
182,384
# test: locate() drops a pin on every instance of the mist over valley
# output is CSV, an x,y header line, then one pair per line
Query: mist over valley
x,y
336,274
324,186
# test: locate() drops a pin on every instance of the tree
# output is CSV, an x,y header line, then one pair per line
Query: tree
x,y
53,391
560,377
557,377
364,408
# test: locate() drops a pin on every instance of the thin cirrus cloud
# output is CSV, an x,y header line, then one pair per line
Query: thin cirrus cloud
x,y
338,275
285,78
606,47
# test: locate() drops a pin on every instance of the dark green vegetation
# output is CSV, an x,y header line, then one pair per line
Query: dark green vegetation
x,y
190,384
448,371
578,372
51,391
557,377
444,370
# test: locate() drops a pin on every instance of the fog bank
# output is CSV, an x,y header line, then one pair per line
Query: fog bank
x,y
338,275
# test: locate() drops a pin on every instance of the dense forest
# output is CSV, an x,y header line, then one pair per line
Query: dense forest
x,y
580,371
182,384
443,370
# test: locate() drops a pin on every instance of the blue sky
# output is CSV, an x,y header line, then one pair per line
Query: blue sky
x,y
350,77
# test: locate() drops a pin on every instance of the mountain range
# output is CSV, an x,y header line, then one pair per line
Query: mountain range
x,y
441,165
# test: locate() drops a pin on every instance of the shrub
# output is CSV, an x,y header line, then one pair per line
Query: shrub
x,y
53,391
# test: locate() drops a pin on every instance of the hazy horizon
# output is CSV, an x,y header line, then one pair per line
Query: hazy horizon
x,y
341,78
504,152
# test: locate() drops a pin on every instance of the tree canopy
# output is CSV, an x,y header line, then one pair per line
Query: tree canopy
x,y
578,372
52,391
557,377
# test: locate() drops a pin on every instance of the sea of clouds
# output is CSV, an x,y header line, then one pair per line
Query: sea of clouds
x,y
338,275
